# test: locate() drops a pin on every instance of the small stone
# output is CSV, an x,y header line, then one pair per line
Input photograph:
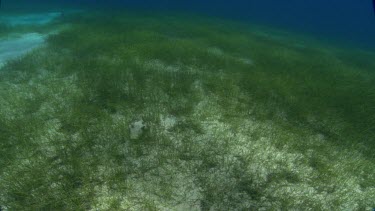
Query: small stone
x,y
168,122
136,129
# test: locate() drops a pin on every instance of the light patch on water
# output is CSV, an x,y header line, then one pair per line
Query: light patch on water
x,y
15,47
29,19
220,53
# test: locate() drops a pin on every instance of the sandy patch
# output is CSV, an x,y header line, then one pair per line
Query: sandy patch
x,y
13,48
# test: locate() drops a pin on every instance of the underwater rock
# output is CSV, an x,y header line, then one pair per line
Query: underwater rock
x,y
136,129
168,122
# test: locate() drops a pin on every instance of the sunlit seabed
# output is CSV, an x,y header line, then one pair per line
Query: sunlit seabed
x,y
140,112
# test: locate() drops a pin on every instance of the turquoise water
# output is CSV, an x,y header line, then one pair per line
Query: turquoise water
x,y
154,105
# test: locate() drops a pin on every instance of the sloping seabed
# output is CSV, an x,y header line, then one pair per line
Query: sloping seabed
x,y
21,33
16,47
139,112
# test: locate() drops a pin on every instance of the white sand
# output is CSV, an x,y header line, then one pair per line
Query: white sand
x,y
12,48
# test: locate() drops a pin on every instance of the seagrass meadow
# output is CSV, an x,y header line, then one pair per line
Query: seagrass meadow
x,y
141,111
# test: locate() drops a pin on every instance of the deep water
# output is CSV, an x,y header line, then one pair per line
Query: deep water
x,y
347,22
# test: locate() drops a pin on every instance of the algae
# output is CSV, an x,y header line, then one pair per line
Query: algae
x,y
236,120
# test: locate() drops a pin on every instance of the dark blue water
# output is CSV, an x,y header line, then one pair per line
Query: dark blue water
x,y
345,21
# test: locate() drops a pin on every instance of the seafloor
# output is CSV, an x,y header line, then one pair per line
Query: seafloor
x,y
139,111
